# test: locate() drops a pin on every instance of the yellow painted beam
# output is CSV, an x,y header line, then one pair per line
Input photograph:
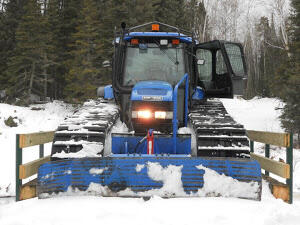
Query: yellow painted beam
x,y
27,140
278,168
278,189
31,168
278,139
28,190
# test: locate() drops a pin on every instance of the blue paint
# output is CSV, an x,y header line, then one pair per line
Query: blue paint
x,y
175,96
163,144
198,93
120,172
108,92
161,89
182,37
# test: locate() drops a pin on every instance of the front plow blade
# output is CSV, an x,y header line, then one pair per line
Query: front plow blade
x,y
148,176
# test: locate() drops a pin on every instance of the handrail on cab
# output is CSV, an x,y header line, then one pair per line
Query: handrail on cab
x,y
175,121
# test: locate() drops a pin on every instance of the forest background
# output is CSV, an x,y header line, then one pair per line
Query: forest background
x,y
55,49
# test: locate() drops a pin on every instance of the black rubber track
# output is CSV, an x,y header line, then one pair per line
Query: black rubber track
x,y
89,124
217,133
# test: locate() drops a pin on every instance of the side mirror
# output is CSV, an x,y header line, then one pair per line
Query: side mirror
x,y
105,92
106,64
200,62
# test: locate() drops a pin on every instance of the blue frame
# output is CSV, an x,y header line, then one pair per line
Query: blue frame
x,y
175,96
127,144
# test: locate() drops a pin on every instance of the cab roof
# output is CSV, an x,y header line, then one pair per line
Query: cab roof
x,y
183,38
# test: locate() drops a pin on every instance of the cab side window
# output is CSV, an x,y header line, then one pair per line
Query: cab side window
x,y
220,63
205,68
235,58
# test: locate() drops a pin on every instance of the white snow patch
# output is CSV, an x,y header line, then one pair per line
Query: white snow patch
x,y
170,176
97,171
184,130
139,167
74,127
88,150
255,114
222,185
68,172
119,127
30,121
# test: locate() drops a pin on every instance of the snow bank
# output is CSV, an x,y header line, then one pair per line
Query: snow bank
x,y
94,210
222,185
255,114
47,118
261,114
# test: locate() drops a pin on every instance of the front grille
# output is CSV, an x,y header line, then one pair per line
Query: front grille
x,y
143,125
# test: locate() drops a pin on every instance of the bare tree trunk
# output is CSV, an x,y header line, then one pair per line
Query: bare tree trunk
x,y
280,9
31,79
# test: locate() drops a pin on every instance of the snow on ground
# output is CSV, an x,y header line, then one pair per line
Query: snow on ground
x,y
256,114
184,211
47,118
262,114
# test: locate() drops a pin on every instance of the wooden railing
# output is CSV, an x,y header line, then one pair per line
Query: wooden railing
x,y
28,190
282,169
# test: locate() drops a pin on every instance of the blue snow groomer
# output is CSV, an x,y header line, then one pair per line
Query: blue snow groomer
x,y
162,81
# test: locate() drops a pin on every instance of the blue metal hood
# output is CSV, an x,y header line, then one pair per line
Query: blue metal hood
x,y
152,91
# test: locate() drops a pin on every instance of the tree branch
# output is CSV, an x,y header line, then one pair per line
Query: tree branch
x,y
274,46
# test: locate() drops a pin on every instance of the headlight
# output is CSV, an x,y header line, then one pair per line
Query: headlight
x,y
146,114
163,115
160,115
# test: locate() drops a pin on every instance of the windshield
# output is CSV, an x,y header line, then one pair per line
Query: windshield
x,y
153,63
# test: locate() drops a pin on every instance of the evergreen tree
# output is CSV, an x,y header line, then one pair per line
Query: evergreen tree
x,y
9,19
85,68
27,67
288,77
171,12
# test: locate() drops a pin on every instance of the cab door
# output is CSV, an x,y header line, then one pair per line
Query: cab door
x,y
221,69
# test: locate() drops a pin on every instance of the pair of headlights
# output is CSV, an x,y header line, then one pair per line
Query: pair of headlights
x,y
147,114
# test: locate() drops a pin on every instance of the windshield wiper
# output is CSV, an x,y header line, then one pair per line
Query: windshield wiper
x,y
173,60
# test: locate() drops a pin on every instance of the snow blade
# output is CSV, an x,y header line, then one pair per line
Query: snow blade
x,y
144,176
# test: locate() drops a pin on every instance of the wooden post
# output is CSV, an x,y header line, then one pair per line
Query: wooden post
x,y
18,163
267,155
41,150
252,146
289,160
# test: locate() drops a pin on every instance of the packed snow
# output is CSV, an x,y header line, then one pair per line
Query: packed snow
x,y
88,150
36,118
255,114
222,185
97,171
